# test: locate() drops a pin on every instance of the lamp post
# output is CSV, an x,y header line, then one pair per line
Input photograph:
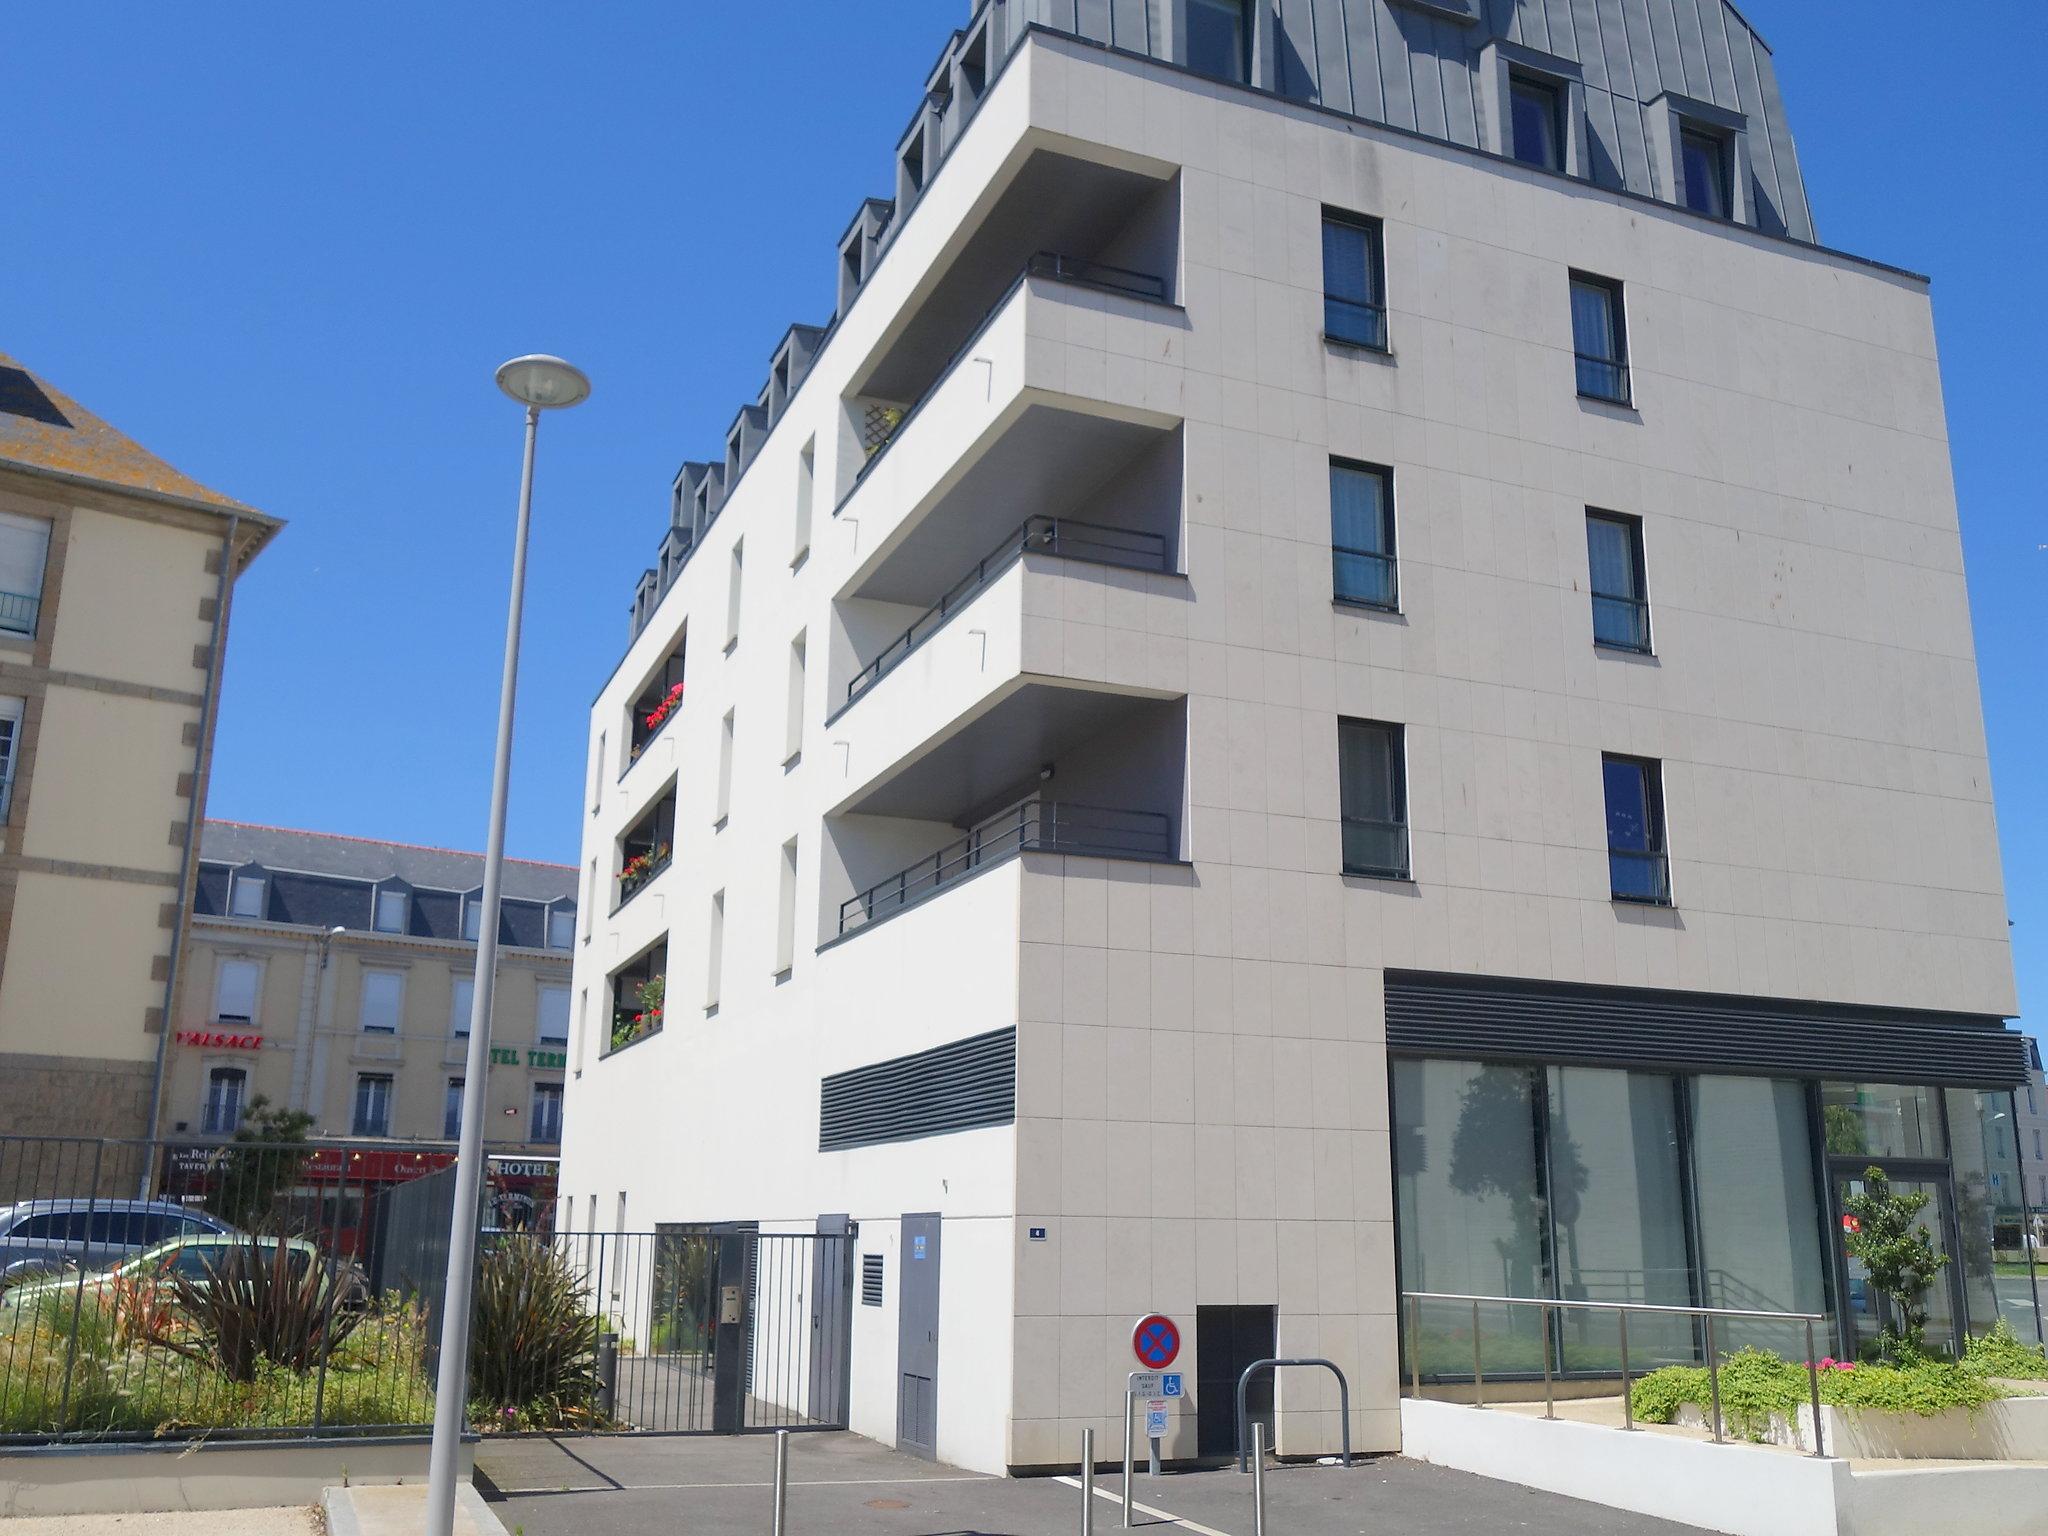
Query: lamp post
x,y
539,383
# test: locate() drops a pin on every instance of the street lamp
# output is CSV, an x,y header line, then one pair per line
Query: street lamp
x,y
539,383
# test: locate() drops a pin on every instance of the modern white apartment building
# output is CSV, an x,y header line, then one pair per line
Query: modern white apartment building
x,y
1345,669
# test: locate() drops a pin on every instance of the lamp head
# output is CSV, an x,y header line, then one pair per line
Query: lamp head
x,y
543,382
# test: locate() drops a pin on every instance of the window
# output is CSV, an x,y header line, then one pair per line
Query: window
x,y
714,959
732,597
451,1110
806,476
1354,280
2037,1146
553,1009
245,899
1636,865
225,1087
383,1001
1536,111
1600,339
236,985
1219,40
561,926
472,917
373,1106
1614,561
1372,787
547,1112
1362,534
390,913
597,775
24,553
461,1004
1703,161
785,915
10,749
793,724
725,737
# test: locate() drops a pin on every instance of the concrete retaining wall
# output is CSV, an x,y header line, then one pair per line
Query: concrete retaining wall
x,y
248,1474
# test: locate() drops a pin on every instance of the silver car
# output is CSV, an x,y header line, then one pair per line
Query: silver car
x,y
42,1238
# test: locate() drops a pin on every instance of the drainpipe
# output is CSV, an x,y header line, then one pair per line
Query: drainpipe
x,y
208,700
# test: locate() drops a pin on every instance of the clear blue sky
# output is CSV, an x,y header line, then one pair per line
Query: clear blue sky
x,y
285,246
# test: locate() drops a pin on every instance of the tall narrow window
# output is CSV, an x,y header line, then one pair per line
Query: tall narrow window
x,y
725,740
785,913
597,775
1637,866
461,1004
1372,786
1219,39
236,987
383,1001
553,1005
24,554
1354,280
390,913
10,748
714,959
1536,109
806,489
451,1110
561,926
373,1106
1704,166
547,1112
732,596
1362,534
1614,562
472,917
793,724
225,1087
1600,339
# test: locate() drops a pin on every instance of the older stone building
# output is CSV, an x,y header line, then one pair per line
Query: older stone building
x,y
117,574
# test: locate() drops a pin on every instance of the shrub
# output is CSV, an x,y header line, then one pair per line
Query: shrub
x,y
262,1300
532,1342
1755,1384
2001,1352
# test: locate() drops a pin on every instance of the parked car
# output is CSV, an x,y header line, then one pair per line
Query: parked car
x,y
196,1258
42,1238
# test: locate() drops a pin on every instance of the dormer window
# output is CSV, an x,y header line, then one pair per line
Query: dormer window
x,y
472,917
1536,110
392,909
1703,171
246,897
561,927
1219,39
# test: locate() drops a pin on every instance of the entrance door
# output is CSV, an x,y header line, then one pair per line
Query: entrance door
x,y
1864,1310
917,1337
1227,1339
831,1318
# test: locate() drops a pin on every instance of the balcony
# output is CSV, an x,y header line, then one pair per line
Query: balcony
x,y
659,702
644,851
1034,826
638,990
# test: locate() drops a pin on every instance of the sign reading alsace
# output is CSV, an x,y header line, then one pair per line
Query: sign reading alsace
x,y
220,1040
1156,1341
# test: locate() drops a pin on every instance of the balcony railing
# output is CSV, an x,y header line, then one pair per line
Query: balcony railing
x,y
1376,848
635,876
19,612
1096,274
1355,323
1621,622
1603,378
1058,536
1036,825
1366,577
1639,876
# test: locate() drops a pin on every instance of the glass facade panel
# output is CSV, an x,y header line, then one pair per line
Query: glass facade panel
x,y
1869,1311
1997,1278
1759,1222
1880,1120
1470,1208
1620,1214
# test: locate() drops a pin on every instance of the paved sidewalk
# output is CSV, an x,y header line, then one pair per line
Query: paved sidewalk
x,y
212,1522
844,1485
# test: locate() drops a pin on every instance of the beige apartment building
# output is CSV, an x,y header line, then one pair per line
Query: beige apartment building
x,y
116,578
335,975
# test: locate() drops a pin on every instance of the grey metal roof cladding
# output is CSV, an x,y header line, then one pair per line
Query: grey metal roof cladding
x,y
360,858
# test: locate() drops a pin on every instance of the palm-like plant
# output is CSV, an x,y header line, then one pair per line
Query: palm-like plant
x,y
262,1300
532,1340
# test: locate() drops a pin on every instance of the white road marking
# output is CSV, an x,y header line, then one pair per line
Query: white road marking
x,y
1115,1496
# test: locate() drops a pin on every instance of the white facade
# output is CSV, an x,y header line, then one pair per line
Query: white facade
x,y
1201,1074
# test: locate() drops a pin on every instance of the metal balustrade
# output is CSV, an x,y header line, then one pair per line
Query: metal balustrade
x,y
1621,622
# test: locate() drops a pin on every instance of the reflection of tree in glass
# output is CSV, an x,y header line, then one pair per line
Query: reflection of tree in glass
x,y
1490,1155
1844,1130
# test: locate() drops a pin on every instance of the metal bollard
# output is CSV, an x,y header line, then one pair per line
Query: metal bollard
x,y
607,1375
1258,1478
1129,1404
1087,1482
781,1481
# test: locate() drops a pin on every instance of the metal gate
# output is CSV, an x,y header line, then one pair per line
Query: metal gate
x,y
719,1329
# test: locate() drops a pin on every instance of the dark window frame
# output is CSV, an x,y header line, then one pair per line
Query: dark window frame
x,y
1349,321
1638,602
1722,147
1604,378
1521,81
1246,18
358,1125
1396,829
1389,559
209,1121
1655,856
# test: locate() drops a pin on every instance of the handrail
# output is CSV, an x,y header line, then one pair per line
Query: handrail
x,y
1343,1398
1621,1309
1058,536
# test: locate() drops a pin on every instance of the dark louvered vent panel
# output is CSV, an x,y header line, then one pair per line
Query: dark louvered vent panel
x,y
957,1087
1487,1019
871,1279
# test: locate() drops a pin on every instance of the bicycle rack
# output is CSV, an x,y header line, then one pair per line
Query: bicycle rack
x,y
1343,1398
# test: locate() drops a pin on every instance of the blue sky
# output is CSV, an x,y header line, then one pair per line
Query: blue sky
x,y
285,246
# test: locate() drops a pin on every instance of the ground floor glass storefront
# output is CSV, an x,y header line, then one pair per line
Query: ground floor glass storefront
x,y
1578,1183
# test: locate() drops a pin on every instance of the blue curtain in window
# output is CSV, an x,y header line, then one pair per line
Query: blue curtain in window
x,y
1349,272
1361,536
1628,807
1593,321
1610,554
